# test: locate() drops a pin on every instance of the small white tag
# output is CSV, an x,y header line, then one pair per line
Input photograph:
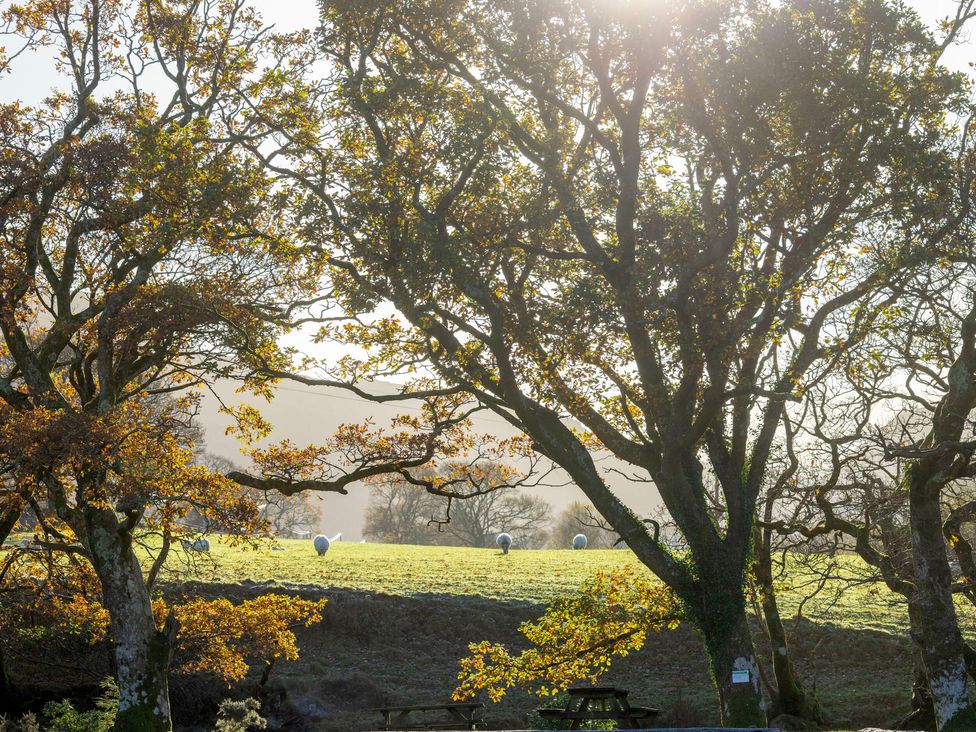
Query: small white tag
x,y
740,677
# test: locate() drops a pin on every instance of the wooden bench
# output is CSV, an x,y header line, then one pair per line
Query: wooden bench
x,y
599,703
460,715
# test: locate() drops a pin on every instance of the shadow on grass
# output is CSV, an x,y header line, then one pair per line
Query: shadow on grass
x,y
374,649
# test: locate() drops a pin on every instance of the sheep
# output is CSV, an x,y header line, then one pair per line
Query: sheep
x,y
197,545
321,544
505,542
579,541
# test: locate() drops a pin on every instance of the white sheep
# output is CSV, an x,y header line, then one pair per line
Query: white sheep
x,y
579,541
505,542
197,545
321,544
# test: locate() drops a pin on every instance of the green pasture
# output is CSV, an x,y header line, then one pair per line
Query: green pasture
x,y
400,641
849,598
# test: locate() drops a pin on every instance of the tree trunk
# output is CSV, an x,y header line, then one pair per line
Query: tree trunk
x,y
8,693
141,650
8,522
922,715
791,697
720,616
940,641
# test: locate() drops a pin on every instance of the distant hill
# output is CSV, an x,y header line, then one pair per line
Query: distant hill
x,y
308,415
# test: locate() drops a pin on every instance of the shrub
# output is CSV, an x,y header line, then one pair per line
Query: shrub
x,y
239,716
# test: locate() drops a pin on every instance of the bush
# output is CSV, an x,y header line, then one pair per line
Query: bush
x,y
239,716
63,717
27,723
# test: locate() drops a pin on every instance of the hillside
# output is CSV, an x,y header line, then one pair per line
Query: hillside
x,y
400,616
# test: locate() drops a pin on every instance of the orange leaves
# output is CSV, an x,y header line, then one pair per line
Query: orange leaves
x,y
50,600
576,639
45,597
145,454
216,636
439,435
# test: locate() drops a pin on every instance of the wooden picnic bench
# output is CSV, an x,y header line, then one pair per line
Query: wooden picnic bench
x,y
460,715
599,702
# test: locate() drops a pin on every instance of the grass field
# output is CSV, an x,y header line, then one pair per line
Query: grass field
x,y
400,617
523,576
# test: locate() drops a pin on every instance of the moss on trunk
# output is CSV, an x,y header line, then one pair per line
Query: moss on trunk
x,y
720,617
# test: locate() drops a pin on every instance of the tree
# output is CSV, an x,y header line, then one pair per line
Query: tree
x,y
937,461
477,521
579,517
288,515
142,252
400,513
903,476
649,218
478,518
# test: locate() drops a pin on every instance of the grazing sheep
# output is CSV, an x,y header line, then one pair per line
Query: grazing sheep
x,y
321,544
579,541
197,545
505,542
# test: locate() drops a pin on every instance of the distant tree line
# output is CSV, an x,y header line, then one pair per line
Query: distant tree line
x,y
398,513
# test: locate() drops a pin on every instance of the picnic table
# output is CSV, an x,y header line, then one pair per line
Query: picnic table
x,y
460,715
599,702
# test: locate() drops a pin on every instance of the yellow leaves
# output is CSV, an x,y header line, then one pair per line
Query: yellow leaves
x,y
249,426
61,598
53,598
575,639
588,439
219,637
82,616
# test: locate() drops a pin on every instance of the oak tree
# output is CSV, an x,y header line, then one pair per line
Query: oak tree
x,y
142,252
648,218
